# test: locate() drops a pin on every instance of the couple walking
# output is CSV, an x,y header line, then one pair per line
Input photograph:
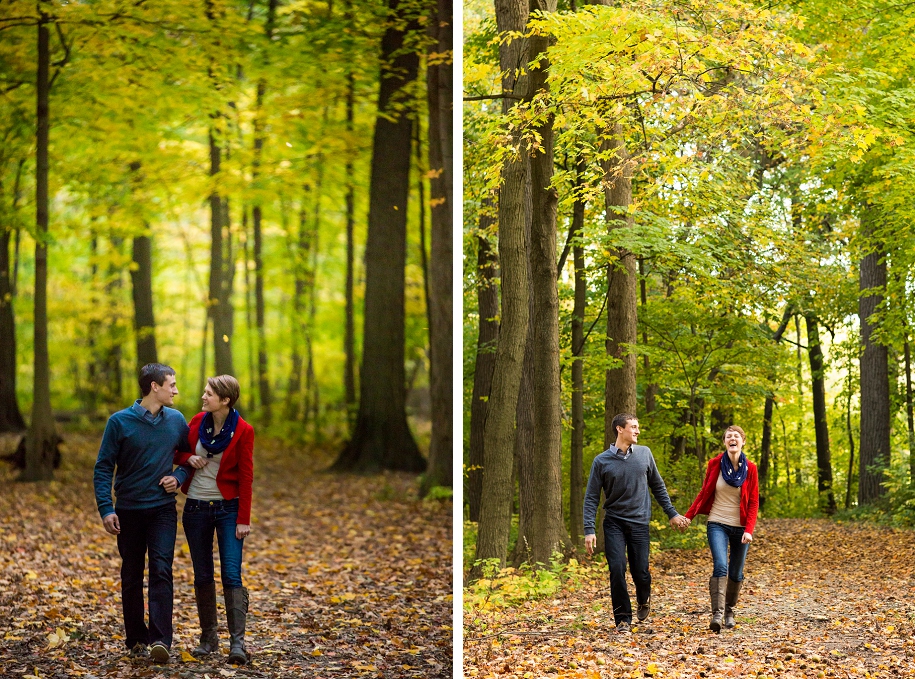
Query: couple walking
x,y
729,495
214,454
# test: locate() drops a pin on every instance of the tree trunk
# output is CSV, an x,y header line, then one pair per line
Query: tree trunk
x,y
41,440
143,320
381,437
820,421
10,415
487,339
499,433
875,389
349,336
622,290
524,471
909,411
441,330
300,247
576,457
219,289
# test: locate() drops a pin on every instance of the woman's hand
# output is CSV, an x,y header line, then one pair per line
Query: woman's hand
x,y
242,530
198,462
746,539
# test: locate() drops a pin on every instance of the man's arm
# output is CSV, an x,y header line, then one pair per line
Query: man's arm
x,y
104,469
592,500
658,489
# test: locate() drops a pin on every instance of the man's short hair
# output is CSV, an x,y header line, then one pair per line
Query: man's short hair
x,y
225,386
740,431
153,372
621,420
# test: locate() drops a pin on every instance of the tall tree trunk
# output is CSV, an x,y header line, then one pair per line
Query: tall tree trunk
x,y
441,329
219,298
300,247
381,437
622,290
820,421
547,532
10,416
487,339
523,463
111,359
41,440
576,457
349,336
875,388
909,410
143,320
851,446
499,433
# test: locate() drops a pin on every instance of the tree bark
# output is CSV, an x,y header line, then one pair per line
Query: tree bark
x,y
909,410
220,308
143,319
622,291
766,444
499,433
576,456
439,92
349,335
820,421
487,339
41,439
10,415
874,438
381,437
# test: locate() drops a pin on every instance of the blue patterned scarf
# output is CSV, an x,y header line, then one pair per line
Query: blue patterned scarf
x,y
731,476
216,443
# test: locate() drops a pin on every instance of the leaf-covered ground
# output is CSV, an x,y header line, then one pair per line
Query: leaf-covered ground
x,y
820,599
349,577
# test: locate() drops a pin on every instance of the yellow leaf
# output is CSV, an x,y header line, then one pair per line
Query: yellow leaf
x,y
187,657
317,652
652,668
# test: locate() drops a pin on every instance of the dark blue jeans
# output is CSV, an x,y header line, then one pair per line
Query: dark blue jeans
x,y
622,538
720,537
201,519
153,531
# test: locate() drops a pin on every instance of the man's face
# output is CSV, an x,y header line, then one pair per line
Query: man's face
x,y
630,433
166,392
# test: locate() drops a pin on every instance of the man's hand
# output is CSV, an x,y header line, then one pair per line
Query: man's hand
x,y
747,537
242,530
170,483
111,523
590,543
197,462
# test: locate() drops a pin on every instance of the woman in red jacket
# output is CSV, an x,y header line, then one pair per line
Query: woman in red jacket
x,y
730,497
219,501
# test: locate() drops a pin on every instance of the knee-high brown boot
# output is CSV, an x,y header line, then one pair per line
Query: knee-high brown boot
x,y
716,588
730,601
237,612
206,612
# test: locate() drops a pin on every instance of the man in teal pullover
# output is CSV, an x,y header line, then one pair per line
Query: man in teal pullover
x,y
140,442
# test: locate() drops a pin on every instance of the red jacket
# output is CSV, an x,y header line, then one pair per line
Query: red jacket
x,y
236,470
749,494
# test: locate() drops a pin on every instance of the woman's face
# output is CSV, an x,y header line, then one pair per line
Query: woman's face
x,y
211,402
733,442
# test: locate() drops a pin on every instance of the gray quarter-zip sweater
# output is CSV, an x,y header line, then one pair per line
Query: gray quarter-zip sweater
x,y
625,481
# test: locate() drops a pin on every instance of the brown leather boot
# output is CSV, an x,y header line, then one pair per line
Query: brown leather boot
x,y
732,594
716,588
206,612
237,612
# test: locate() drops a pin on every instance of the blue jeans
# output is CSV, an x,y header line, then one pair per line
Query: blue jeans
x,y
147,530
720,536
622,538
201,519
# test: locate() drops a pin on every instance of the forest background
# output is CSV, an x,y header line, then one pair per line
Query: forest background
x,y
254,188
700,213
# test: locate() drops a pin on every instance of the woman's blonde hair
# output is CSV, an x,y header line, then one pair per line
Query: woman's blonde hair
x,y
225,386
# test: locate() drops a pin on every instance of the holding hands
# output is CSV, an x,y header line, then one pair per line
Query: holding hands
x,y
680,522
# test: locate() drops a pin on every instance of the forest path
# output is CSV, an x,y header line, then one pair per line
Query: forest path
x,y
348,577
820,599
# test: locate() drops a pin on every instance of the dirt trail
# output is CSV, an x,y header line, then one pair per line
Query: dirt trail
x,y
821,599
349,577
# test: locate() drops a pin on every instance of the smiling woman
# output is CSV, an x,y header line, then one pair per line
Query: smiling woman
x,y
730,497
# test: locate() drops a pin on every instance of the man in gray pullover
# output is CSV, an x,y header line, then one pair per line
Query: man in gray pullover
x,y
626,472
